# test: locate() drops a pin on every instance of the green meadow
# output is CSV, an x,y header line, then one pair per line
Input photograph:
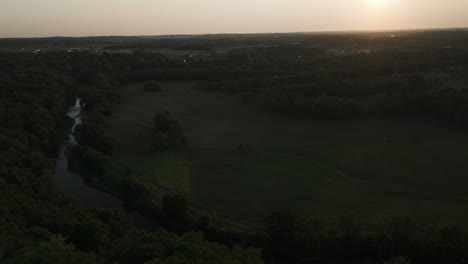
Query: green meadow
x,y
390,173
249,184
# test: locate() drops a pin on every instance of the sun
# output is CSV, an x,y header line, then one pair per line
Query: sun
x,y
378,3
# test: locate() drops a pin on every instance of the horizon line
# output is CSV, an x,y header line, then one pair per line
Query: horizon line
x,y
254,33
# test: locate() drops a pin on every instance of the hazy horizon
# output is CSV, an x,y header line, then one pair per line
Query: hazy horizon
x,y
246,33
47,18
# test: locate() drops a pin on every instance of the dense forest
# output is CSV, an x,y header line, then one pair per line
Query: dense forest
x,y
324,78
38,223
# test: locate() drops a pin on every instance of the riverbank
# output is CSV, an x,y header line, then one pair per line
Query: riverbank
x,y
117,181
77,187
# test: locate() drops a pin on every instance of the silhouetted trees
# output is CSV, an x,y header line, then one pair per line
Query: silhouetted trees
x,y
167,133
289,238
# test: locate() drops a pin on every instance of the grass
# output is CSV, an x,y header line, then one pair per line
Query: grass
x,y
434,166
164,169
249,184
374,169
216,120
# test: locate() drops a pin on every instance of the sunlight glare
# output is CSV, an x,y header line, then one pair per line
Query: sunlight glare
x,y
377,3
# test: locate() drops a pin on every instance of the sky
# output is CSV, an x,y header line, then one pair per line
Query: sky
x,y
42,18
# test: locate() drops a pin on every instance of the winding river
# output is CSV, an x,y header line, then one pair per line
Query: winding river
x,y
74,187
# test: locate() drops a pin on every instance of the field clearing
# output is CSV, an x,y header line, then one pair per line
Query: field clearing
x,y
249,184
217,120
374,170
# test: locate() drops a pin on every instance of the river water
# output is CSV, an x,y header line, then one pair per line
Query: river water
x,y
74,187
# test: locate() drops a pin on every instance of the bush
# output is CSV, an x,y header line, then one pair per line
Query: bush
x,y
175,206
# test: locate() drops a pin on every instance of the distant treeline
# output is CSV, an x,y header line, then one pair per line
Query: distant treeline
x,y
314,85
410,38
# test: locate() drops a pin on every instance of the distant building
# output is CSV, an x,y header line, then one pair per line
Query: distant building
x,y
74,50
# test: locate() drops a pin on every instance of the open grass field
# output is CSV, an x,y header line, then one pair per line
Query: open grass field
x,y
217,120
374,170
